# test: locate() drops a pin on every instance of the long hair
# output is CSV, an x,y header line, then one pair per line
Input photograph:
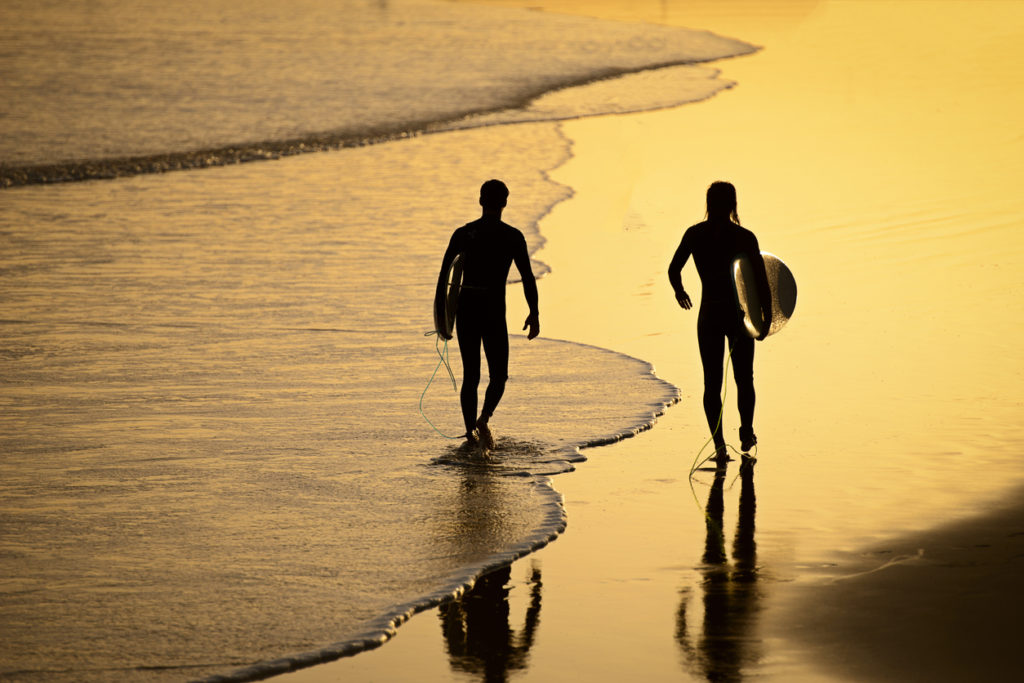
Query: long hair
x,y
722,202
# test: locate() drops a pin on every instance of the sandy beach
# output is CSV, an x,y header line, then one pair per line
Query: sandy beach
x,y
214,466
939,605
879,537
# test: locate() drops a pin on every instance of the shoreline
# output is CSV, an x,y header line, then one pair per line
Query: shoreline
x,y
877,429
444,530
628,590
940,590
383,630
271,150
602,52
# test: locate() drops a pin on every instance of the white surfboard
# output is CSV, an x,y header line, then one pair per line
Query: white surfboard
x,y
748,299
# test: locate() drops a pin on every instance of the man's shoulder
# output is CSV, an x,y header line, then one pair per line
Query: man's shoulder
x,y
511,230
485,222
468,226
465,231
501,229
490,234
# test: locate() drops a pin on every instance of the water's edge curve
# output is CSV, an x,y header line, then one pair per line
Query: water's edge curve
x,y
380,630
244,152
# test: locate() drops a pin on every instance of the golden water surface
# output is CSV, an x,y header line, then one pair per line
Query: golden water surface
x,y
877,149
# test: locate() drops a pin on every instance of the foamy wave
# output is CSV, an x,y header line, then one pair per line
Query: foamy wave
x,y
533,461
302,78
629,93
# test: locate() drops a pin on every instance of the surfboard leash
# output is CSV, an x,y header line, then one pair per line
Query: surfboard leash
x,y
697,461
443,355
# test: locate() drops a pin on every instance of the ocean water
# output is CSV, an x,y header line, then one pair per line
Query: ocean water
x,y
876,148
213,456
142,77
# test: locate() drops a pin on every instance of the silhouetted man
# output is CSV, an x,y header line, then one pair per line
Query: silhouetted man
x,y
488,247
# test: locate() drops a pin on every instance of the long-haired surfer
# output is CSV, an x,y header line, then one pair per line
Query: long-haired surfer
x,y
488,247
714,244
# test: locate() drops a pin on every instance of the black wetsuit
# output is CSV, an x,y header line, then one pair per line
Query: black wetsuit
x,y
714,246
489,247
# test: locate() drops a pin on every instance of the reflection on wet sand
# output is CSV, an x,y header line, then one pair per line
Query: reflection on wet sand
x,y
477,633
726,642
478,637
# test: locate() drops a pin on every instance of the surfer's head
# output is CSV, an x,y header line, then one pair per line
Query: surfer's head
x,y
722,202
493,195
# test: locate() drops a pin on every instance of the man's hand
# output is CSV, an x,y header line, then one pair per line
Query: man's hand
x,y
533,322
684,300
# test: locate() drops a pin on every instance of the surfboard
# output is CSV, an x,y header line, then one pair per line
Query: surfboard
x,y
445,306
782,286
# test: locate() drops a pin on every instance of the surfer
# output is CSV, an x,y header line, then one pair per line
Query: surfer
x,y
488,246
714,244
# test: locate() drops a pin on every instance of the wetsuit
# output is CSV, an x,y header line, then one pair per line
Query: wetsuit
x,y
714,246
489,247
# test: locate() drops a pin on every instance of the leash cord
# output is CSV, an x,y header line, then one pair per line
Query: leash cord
x,y
443,355
697,461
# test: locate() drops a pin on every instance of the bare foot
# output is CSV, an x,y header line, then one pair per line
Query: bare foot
x,y
486,438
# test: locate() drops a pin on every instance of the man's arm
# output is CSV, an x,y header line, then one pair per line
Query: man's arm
x,y
675,270
522,261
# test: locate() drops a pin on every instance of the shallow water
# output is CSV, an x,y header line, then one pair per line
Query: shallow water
x,y
881,163
210,385
210,425
892,211
124,77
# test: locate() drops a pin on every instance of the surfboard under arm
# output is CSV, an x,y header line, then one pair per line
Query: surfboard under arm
x,y
782,290
446,305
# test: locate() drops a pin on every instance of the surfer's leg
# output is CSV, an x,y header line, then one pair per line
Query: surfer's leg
x,y
709,342
743,372
496,349
469,348
495,341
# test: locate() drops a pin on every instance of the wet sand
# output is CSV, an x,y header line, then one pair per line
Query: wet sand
x,y
620,597
944,605
883,166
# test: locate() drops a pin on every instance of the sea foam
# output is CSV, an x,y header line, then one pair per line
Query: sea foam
x,y
125,87
213,453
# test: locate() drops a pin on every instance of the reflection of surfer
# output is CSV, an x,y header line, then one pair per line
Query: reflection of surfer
x,y
715,244
726,641
477,632
488,246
